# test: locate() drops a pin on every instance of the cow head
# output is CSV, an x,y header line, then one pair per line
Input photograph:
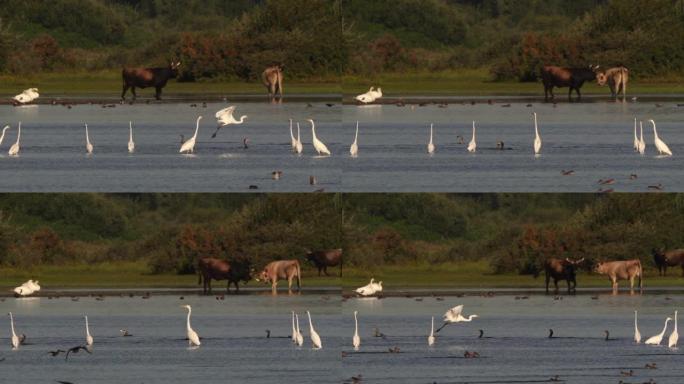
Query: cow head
x,y
173,66
262,276
600,267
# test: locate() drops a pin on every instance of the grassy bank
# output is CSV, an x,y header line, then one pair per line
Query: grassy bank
x,y
108,83
121,275
477,82
479,275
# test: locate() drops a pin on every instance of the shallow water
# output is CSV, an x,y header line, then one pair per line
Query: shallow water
x,y
593,139
53,157
516,347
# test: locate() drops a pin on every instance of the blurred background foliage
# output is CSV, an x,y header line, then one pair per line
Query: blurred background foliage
x,y
513,233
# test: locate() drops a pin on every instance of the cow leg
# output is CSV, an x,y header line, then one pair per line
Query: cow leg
x,y
325,270
289,283
615,286
135,95
555,283
682,270
157,94
274,286
209,282
237,286
123,93
319,271
548,278
228,287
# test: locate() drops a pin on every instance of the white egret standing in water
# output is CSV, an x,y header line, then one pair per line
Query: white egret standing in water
x,y
15,338
674,336
189,144
299,339
657,339
472,146
659,144
89,337
637,334
431,338
318,145
642,143
431,145
2,137
537,138
294,331
636,140
89,145
131,144
14,149
293,141
193,337
356,340
315,339
299,147
354,149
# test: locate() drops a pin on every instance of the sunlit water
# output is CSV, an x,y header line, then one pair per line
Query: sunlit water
x,y
516,347
593,139
53,156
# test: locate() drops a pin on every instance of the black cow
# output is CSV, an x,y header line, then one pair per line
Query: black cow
x,y
147,77
234,271
324,259
559,269
664,259
560,77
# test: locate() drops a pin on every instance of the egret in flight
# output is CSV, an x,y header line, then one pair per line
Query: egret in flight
x,y
537,138
131,144
193,337
657,339
189,144
89,145
89,337
315,339
225,117
659,144
318,145
2,137
14,149
356,340
455,315
354,149
674,336
431,145
472,146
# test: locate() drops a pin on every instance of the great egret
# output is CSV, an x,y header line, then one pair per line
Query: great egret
x,y
377,287
89,337
367,97
637,334
131,144
472,146
376,94
636,140
315,339
431,338
225,117
89,145
193,337
189,144
2,137
367,289
293,141
299,147
356,340
318,145
431,145
354,149
537,138
455,315
659,144
14,149
299,339
674,336
655,340
641,147
15,338
27,96
294,331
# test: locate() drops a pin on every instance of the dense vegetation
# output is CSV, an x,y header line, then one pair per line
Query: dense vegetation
x,y
214,39
321,39
513,233
513,38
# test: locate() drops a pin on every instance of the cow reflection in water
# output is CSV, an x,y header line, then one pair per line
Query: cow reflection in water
x,y
281,270
233,271
562,269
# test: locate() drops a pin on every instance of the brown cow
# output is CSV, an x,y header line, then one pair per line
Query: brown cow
x,y
616,78
560,77
324,259
147,77
282,269
211,268
664,259
273,80
559,269
621,270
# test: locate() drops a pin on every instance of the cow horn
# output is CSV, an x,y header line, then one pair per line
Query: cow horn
x,y
580,260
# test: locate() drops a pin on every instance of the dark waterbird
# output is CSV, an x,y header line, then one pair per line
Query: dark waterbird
x,y
76,350
56,352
